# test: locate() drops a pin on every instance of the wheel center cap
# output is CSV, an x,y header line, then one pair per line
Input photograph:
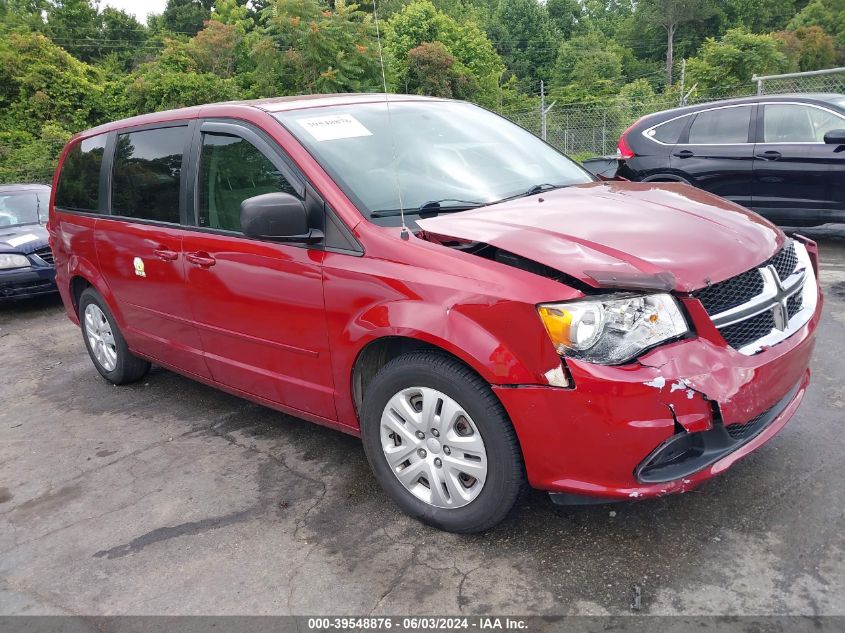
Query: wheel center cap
x,y
433,445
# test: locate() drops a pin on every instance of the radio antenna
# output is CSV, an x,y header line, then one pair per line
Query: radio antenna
x,y
405,233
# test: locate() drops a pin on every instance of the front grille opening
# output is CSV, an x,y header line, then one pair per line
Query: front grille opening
x,y
744,431
784,261
730,293
46,254
794,304
741,334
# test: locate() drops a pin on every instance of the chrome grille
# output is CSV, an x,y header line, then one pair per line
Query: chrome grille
x,y
765,305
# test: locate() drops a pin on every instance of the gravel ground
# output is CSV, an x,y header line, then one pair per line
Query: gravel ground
x,y
168,497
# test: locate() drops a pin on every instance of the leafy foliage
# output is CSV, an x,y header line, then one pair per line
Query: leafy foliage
x,y
66,65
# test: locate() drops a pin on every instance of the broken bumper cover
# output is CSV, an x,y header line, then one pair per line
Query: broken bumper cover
x,y
612,436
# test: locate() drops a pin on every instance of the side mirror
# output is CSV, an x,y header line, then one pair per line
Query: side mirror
x,y
277,216
835,137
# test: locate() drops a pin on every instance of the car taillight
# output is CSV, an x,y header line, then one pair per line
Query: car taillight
x,y
623,150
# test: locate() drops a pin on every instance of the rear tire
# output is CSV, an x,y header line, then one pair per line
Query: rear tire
x,y
450,433
104,342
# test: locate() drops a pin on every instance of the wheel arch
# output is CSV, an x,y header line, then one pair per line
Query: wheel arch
x,y
376,353
83,274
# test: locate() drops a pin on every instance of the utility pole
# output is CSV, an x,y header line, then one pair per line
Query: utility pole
x,y
683,99
542,110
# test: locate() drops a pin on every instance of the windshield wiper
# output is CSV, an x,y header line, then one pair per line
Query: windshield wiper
x,y
533,190
432,207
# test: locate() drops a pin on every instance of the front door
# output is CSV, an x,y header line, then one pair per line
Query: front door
x,y
139,247
798,178
716,154
258,305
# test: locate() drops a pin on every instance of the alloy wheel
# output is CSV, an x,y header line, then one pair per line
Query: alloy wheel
x,y
100,337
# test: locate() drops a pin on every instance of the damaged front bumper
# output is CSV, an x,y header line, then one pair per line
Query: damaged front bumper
x,y
680,415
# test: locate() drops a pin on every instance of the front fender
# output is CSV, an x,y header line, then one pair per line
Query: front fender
x,y
520,358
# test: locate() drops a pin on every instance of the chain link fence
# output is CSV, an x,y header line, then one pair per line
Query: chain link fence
x,y
583,131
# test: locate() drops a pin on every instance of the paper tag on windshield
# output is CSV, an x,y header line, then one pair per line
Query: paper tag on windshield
x,y
22,239
333,127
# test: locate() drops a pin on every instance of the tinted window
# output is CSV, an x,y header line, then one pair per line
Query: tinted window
x,y
793,123
724,125
670,131
232,170
147,167
79,182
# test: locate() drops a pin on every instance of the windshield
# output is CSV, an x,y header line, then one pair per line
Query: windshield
x,y
452,153
21,207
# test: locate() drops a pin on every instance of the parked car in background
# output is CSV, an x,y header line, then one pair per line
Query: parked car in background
x,y
475,306
26,262
782,156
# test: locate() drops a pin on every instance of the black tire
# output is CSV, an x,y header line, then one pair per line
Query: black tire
x,y
128,367
505,480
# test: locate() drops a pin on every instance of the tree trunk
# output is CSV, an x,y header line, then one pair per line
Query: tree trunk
x,y
670,51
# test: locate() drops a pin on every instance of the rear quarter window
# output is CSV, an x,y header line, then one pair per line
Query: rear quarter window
x,y
79,181
668,132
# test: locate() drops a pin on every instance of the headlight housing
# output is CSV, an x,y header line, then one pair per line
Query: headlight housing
x,y
13,260
613,329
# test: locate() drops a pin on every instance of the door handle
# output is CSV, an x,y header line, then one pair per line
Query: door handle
x,y
768,155
684,153
204,260
166,255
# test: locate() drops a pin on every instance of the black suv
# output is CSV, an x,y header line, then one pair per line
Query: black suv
x,y
782,156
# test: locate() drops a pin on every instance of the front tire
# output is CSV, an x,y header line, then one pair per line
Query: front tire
x,y
104,342
440,443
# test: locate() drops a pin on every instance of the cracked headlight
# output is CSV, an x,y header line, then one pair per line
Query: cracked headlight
x,y
613,329
11,260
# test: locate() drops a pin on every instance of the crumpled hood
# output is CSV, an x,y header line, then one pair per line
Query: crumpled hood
x,y
617,234
23,239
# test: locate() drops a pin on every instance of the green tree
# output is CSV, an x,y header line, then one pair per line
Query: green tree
x,y
75,26
734,59
827,14
125,36
670,14
588,68
186,16
567,16
432,70
321,49
760,16
475,59
523,35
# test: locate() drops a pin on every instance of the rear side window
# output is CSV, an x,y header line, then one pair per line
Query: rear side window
x,y
232,170
146,174
670,131
721,126
79,181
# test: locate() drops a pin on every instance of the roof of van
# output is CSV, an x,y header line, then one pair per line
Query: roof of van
x,y
272,104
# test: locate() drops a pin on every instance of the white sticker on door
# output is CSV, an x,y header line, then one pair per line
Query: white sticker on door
x,y
333,127
22,239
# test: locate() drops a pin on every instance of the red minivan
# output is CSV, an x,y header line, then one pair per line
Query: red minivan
x,y
429,276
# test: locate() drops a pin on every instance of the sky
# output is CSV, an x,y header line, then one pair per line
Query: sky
x,y
138,8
